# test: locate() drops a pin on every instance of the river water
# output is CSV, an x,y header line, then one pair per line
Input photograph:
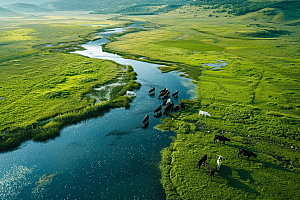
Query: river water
x,y
109,157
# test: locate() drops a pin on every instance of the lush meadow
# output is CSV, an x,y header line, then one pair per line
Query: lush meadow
x,y
43,86
254,100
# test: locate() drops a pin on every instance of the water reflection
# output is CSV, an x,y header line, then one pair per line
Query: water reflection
x,y
110,157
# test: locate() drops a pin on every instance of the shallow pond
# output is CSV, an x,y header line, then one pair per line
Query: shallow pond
x,y
109,157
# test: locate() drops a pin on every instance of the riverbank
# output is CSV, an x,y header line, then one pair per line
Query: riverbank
x,y
253,100
44,87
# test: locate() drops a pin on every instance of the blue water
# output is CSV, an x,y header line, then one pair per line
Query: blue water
x,y
109,157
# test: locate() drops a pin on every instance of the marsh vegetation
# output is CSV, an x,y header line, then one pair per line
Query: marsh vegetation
x,y
254,100
43,86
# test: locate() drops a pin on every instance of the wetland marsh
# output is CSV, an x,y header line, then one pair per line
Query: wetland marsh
x,y
97,157
253,100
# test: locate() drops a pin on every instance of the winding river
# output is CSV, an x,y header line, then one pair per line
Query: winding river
x,y
109,157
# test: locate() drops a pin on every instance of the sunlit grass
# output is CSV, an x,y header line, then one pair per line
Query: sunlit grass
x,y
254,100
38,83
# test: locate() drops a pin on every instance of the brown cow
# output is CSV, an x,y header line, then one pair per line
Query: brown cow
x,y
210,171
177,107
146,119
152,90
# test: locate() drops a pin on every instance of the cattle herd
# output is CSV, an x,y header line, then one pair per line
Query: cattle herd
x,y
164,95
209,170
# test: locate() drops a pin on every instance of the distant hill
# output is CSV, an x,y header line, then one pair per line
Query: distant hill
x,y
25,8
241,7
8,13
115,6
151,7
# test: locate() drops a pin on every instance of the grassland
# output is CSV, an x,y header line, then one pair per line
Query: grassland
x,y
43,88
254,100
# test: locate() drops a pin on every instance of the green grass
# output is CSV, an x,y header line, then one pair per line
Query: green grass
x,y
40,84
238,178
192,45
254,100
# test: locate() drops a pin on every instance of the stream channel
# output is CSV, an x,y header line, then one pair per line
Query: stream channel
x,y
109,157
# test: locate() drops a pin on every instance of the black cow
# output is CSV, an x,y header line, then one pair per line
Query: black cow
x,y
151,90
182,105
163,90
167,94
168,108
202,161
210,171
244,152
221,138
169,102
158,115
164,93
165,97
175,94
157,109
146,119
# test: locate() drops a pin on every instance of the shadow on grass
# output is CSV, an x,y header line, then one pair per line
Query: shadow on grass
x,y
241,147
274,166
267,164
226,173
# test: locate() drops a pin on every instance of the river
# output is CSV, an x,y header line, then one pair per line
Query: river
x,y
109,157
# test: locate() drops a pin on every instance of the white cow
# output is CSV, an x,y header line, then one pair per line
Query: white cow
x,y
219,162
168,101
130,94
201,112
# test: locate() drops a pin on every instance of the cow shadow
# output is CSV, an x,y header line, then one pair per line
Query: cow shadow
x,y
251,159
272,165
244,175
241,147
226,173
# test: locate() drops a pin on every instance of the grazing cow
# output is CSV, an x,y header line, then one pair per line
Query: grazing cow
x,y
244,152
219,162
130,94
157,109
201,112
177,107
202,161
146,119
152,90
221,138
210,171
175,94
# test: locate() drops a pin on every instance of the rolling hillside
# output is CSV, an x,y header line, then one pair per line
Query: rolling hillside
x,y
109,6
25,8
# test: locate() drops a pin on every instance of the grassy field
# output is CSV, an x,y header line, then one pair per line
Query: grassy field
x,y
254,99
42,83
